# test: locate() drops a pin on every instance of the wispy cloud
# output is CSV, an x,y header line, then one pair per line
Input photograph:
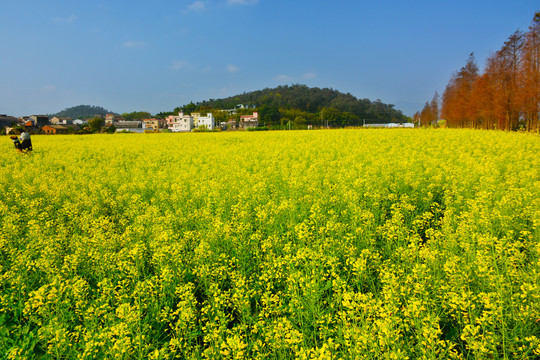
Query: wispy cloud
x,y
134,44
242,2
177,65
197,6
65,20
232,69
309,75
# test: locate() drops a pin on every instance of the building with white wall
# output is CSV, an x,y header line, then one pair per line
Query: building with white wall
x,y
61,120
80,122
180,123
206,121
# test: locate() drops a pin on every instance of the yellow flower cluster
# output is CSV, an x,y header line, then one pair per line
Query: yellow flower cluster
x,y
345,244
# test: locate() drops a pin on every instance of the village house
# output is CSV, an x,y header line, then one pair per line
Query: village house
x,y
171,119
39,120
249,121
111,119
7,121
206,121
180,123
128,124
61,120
154,124
55,129
79,122
238,107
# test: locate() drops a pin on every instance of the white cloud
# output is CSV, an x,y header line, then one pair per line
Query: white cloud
x,y
242,2
177,65
134,44
197,6
232,69
282,78
67,20
309,75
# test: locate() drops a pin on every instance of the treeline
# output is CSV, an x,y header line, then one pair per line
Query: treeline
x,y
299,105
136,115
82,112
506,96
90,111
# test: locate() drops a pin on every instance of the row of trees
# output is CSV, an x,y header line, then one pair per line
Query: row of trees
x,y
136,115
506,96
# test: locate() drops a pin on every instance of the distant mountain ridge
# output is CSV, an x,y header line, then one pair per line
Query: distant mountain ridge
x,y
82,112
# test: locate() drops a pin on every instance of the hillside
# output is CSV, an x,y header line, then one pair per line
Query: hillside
x,y
82,112
305,105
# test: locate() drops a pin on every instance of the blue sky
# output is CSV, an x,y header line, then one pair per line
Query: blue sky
x,y
155,55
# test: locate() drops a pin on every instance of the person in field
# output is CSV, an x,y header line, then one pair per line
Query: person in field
x,y
23,143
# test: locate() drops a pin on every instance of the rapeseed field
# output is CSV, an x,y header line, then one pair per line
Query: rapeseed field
x,y
342,244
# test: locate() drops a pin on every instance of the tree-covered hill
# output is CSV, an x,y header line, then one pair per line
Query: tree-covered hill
x,y
303,105
82,112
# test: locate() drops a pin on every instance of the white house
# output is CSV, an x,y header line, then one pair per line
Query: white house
x,y
206,121
180,123
184,123
79,122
